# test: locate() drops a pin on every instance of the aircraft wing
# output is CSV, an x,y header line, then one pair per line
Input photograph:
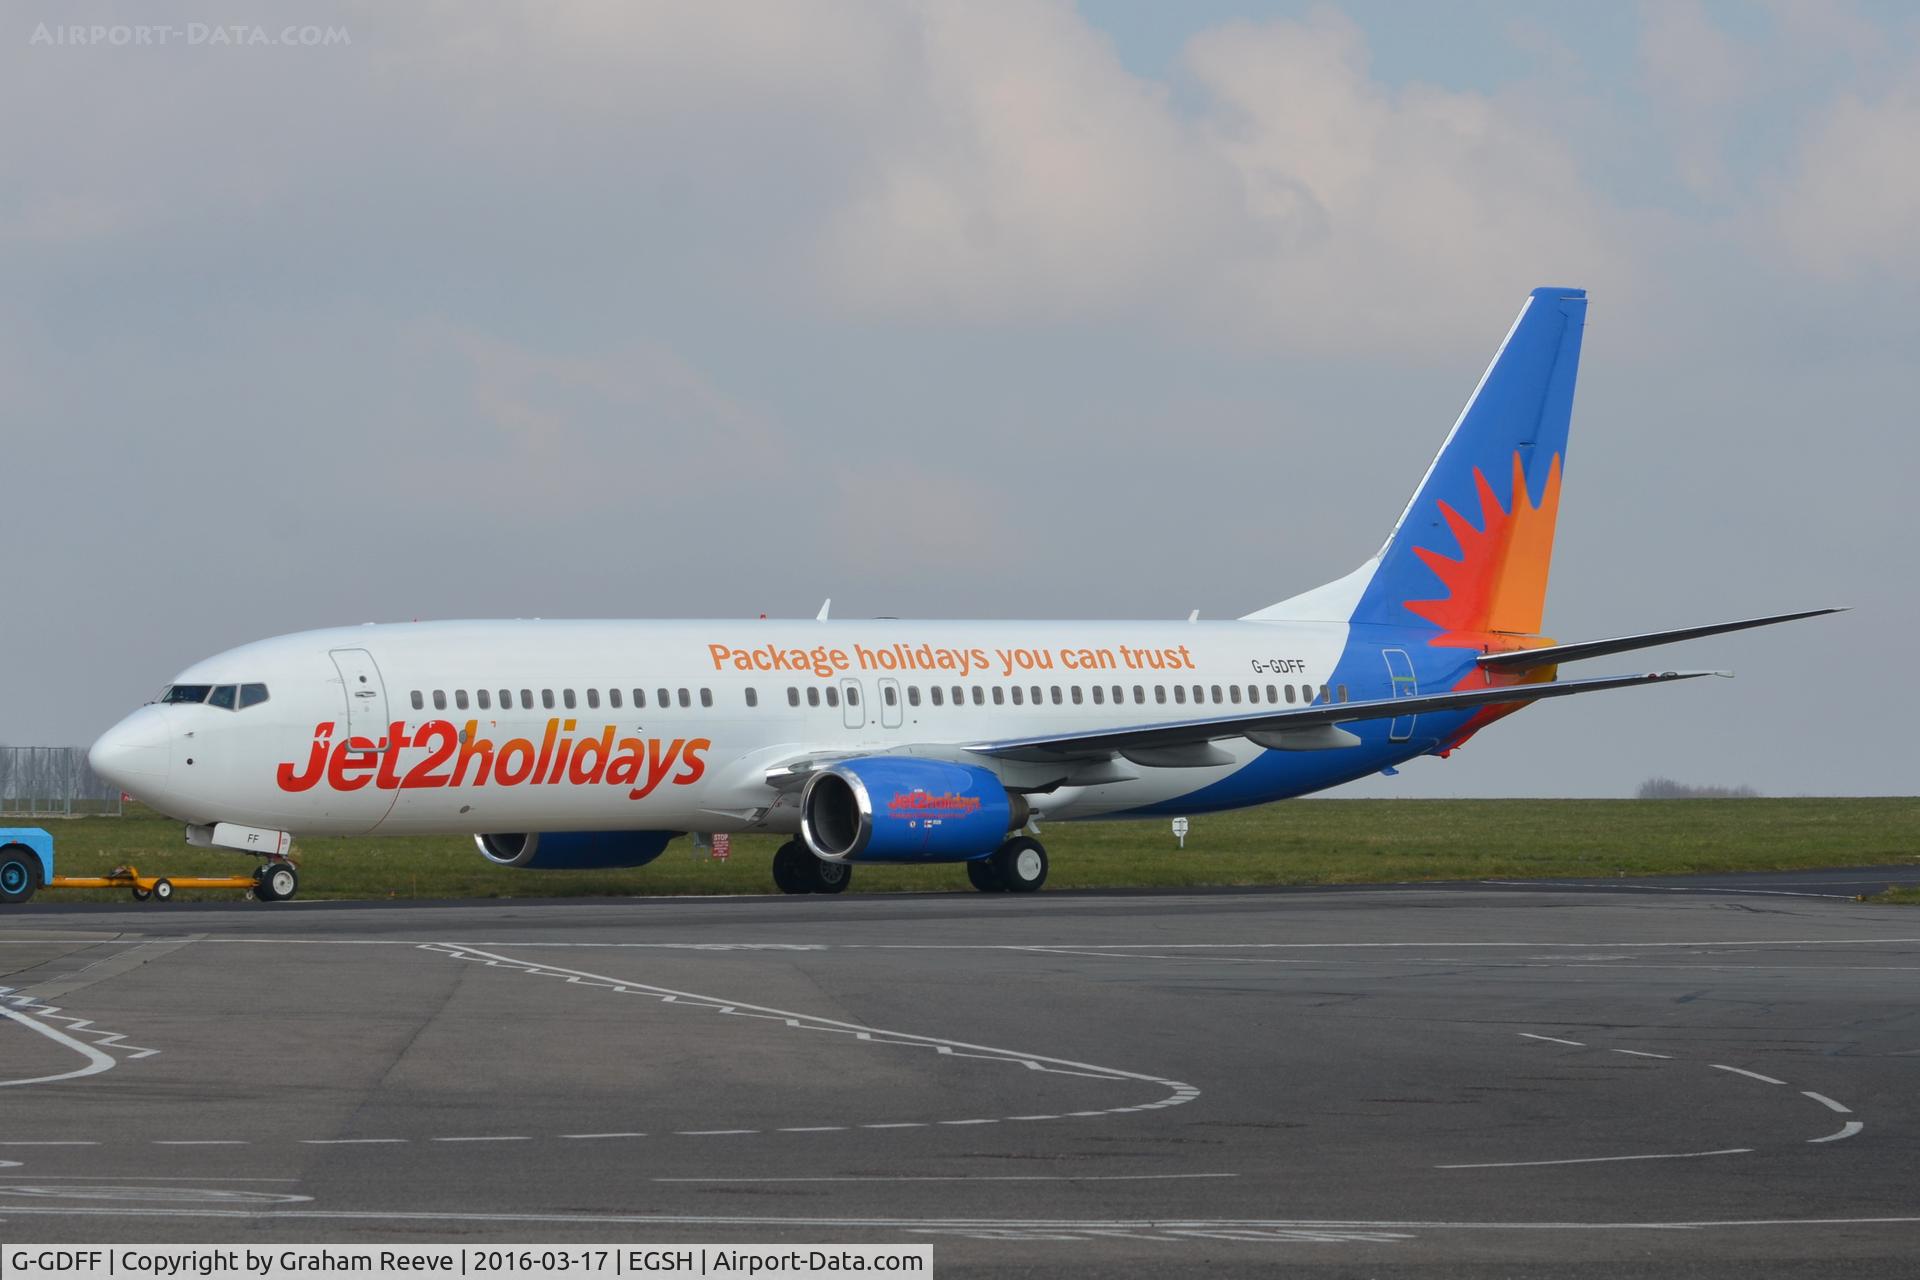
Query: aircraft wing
x,y
1529,659
1320,719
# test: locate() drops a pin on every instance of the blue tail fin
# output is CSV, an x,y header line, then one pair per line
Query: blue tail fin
x,y
1471,551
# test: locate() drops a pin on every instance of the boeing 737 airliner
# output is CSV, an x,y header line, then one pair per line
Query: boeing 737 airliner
x,y
592,744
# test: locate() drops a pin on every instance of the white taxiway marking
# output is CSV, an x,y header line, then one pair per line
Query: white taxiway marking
x,y
1553,1039
896,1224
1827,1102
96,1060
710,1133
1640,1053
518,1137
88,1142
978,1177
814,1128
602,1135
346,1142
1851,1127
1533,1164
1741,1071
1078,946
199,1142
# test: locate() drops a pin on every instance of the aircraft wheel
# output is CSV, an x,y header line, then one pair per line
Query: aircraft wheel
x,y
276,882
139,894
1021,864
790,871
163,891
19,874
831,877
982,876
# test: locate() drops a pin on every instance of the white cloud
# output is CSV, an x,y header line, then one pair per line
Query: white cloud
x,y
1850,203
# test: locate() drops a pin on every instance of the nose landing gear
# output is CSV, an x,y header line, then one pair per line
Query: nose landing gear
x,y
1017,866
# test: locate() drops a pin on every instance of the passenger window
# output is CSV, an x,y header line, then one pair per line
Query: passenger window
x,y
1306,693
999,696
793,696
753,697
1076,695
686,700
1036,695
460,699
593,699
1057,696
813,696
546,698
224,697
1273,694
1289,693
853,695
1180,694
439,699
1159,693
1139,695
613,699
1119,695
706,697
959,695
1019,695
913,695
979,696
939,696
252,695
1233,694
1199,694
1099,696
566,696
639,698
664,698
484,698
833,696
890,695
1216,694
419,701
506,699
526,699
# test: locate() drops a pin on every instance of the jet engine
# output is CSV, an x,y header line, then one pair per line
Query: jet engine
x,y
573,850
906,809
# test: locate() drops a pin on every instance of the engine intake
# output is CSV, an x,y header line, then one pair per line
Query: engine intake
x,y
906,809
573,850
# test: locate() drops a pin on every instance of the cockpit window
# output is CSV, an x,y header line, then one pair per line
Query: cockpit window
x,y
252,695
224,696
187,693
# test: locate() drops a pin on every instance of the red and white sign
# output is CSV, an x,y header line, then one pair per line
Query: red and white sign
x,y
722,845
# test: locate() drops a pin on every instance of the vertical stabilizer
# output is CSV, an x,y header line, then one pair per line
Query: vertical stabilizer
x,y
1471,551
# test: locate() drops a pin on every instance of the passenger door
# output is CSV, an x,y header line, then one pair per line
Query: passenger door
x,y
1400,675
891,712
852,704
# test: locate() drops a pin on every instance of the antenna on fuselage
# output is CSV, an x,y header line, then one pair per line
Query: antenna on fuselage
x,y
824,606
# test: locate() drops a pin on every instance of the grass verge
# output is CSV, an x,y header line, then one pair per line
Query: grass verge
x,y
1294,842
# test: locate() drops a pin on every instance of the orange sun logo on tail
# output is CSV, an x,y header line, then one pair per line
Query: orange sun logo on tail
x,y
1499,583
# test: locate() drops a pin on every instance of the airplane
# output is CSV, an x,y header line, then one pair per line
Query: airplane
x,y
592,744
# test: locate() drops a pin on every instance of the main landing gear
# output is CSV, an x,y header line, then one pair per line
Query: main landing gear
x,y
1018,866
796,870
276,880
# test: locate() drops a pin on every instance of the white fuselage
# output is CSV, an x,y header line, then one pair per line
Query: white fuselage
x,y
582,725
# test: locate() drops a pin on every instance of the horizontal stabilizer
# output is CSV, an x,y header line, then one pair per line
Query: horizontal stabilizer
x,y
1135,741
1530,659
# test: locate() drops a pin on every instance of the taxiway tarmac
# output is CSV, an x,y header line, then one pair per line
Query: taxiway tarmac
x,y
1448,1080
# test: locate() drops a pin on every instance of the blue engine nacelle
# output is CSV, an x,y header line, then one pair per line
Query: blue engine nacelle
x,y
906,809
573,850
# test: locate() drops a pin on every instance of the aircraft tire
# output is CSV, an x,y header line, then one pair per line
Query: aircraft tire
x,y
19,874
163,891
276,882
982,875
1021,864
831,877
790,872
139,894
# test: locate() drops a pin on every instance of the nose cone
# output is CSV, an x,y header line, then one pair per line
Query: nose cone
x,y
136,754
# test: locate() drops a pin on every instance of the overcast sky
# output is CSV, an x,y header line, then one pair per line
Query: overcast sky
x,y
957,310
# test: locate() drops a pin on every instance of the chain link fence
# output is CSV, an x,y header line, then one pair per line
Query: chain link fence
x,y
53,782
